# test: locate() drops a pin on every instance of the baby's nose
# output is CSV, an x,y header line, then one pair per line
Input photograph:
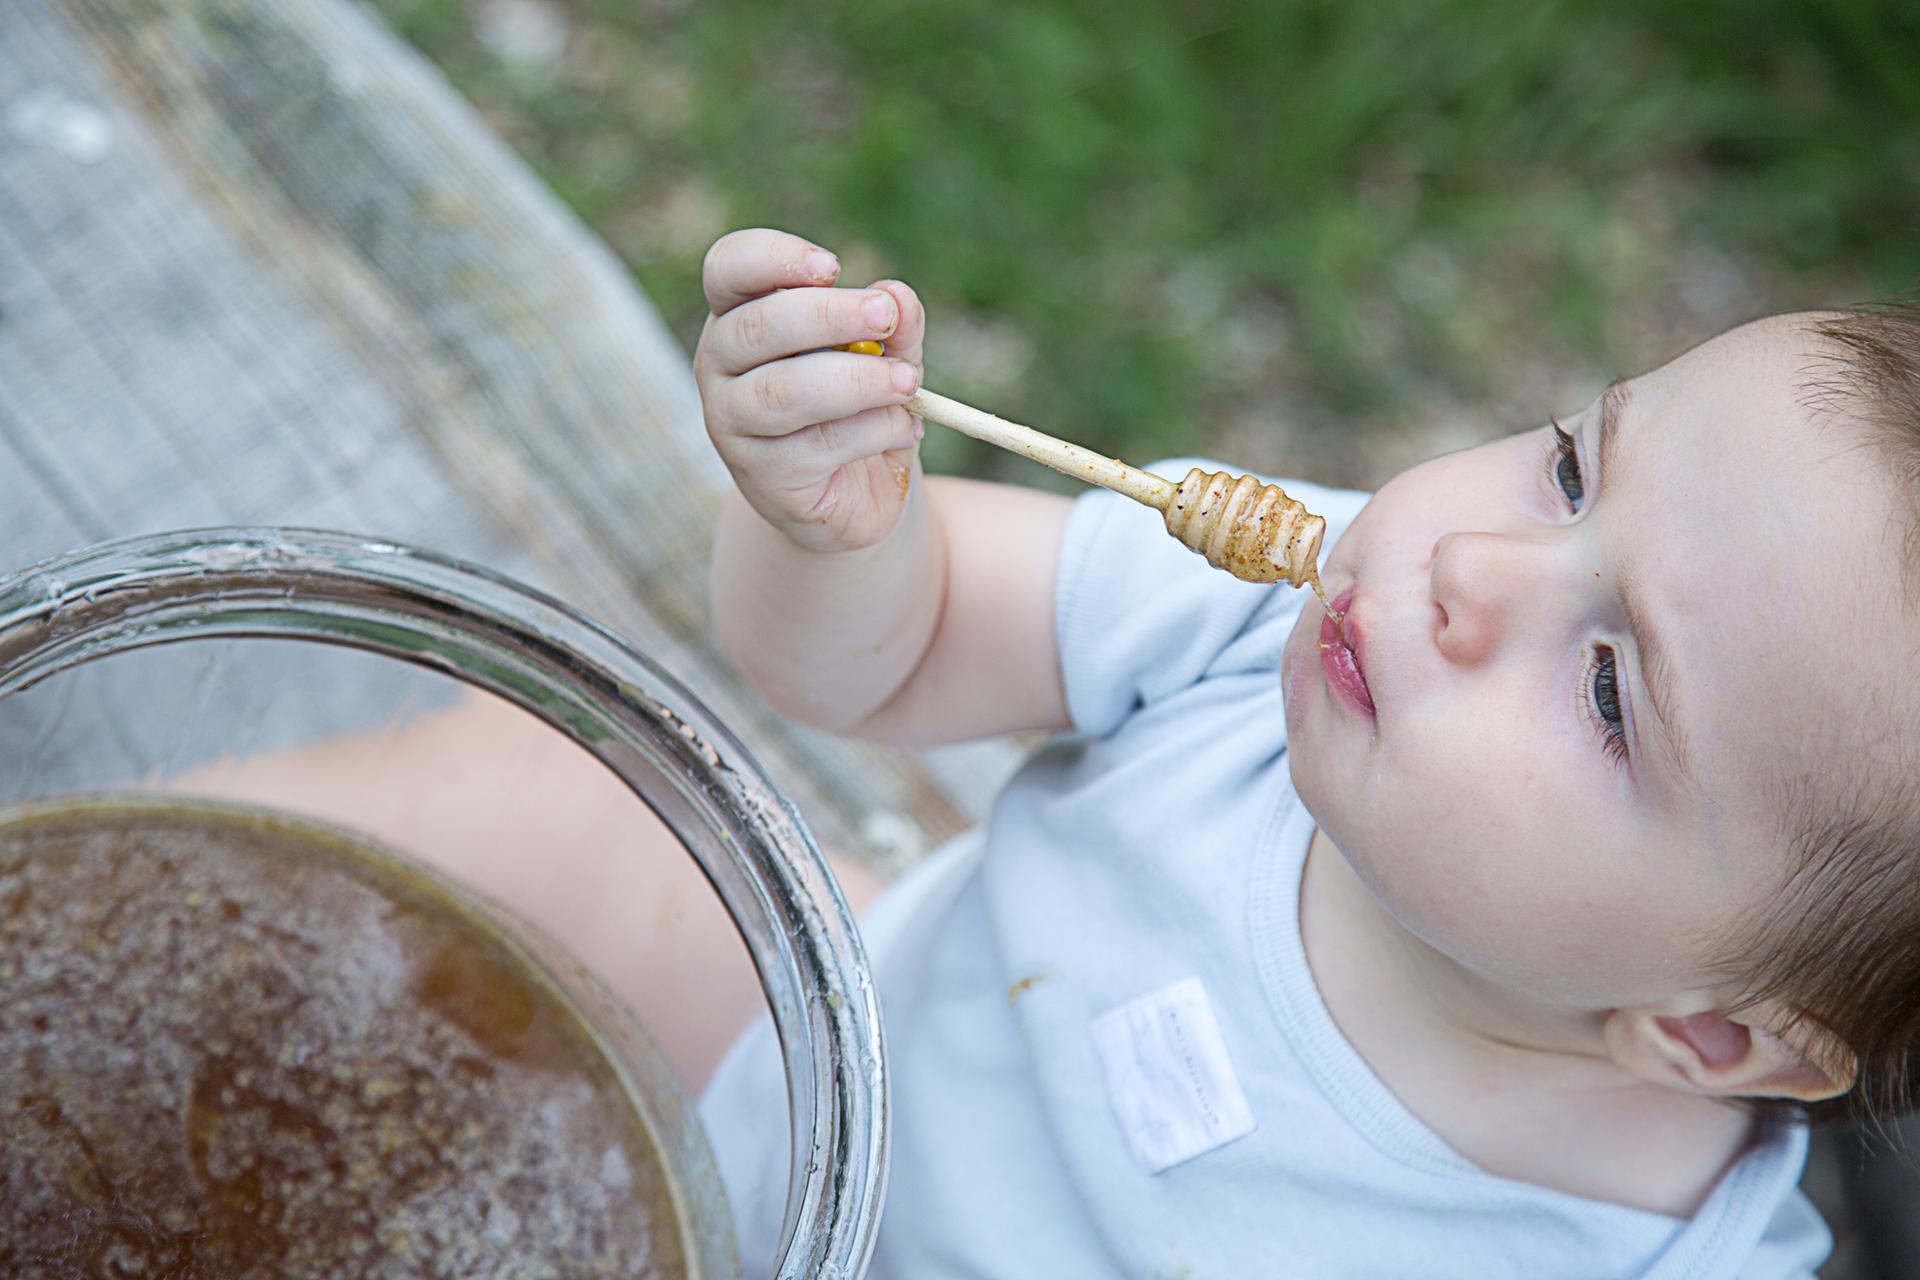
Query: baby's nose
x,y
1481,582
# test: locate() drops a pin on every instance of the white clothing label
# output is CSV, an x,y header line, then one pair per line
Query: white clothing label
x,y
1172,1086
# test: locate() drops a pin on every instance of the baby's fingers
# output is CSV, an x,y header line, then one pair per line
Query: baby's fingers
x,y
786,395
808,456
795,320
747,264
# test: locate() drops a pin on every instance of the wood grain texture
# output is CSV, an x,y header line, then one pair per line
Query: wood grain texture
x,y
259,264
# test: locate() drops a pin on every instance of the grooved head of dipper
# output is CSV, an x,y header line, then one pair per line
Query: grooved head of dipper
x,y
1305,558
1252,530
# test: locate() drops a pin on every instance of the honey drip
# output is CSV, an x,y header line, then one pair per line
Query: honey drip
x,y
1313,581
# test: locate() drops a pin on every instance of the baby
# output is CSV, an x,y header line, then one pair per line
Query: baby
x,y
1508,925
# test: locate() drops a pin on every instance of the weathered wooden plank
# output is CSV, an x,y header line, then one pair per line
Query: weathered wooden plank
x,y
257,262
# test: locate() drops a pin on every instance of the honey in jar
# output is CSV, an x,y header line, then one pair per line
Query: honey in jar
x,y
235,1044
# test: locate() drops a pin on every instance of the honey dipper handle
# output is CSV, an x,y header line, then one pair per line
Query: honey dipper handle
x,y
1067,459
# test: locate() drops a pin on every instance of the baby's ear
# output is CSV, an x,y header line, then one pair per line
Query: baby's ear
x,y
1760,1051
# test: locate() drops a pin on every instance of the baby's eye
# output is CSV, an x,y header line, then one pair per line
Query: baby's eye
x,y
1563,465
1601,692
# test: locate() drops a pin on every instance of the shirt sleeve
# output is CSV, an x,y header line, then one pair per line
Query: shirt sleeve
x,y
1138,615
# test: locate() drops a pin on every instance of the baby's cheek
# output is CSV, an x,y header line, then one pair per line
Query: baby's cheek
x,y
1452,491
1547,912
1463,850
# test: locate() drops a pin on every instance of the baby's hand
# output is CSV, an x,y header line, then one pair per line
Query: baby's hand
x,y
816,439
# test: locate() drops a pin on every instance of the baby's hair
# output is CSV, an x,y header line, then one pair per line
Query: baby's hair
x,y
1840,943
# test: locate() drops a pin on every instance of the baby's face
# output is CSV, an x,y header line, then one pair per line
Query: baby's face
x,y
1598,675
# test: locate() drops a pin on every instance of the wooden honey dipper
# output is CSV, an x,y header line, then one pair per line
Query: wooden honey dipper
x,y
1252,530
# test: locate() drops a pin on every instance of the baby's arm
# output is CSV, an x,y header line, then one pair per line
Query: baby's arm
x,y
856,594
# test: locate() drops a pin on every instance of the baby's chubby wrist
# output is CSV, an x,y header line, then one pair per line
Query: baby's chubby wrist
x,y
827,633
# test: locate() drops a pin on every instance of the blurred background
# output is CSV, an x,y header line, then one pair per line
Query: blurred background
x,y
1317,239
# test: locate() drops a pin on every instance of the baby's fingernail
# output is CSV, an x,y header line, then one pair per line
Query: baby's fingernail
x,y
905,377
822,265
880,311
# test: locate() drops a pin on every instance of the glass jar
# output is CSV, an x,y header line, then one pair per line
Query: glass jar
x,y
171,651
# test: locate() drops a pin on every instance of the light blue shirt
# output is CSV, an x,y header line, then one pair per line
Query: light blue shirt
x,y
1163,841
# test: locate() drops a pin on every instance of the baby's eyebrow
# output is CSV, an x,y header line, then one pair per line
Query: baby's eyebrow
x,y
1613,401
1657,674
1656,671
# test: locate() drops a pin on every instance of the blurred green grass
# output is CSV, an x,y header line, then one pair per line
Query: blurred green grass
x,y
1317,238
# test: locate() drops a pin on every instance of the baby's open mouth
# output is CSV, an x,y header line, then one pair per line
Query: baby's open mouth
x,y
1340,647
